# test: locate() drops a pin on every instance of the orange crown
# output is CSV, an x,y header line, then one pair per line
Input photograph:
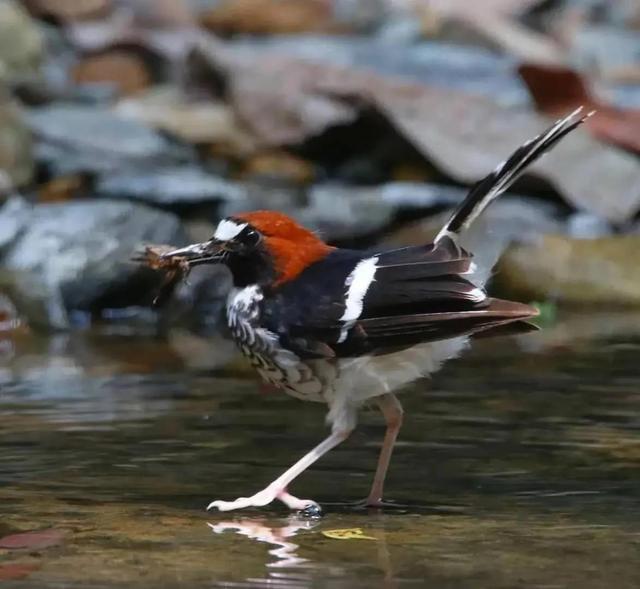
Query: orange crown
x,y
293,247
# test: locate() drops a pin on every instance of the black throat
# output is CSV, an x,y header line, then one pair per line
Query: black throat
x,y
254,267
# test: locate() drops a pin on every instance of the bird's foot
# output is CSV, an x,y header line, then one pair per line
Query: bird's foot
x,y
373,503
265,497
306,507
260,499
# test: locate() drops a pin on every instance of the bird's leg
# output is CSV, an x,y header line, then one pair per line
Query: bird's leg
x,y
392,412
277,489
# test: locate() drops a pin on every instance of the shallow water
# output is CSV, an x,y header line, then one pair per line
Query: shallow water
x,y
519,466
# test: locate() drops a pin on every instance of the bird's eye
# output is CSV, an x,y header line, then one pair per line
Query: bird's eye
x,y
249,237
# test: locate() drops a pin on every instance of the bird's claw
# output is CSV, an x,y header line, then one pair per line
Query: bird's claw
x,y
306,507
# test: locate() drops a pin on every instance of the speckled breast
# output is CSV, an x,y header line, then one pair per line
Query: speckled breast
x,y
276,364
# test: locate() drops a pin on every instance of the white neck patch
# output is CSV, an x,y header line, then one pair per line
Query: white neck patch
x,y
228,229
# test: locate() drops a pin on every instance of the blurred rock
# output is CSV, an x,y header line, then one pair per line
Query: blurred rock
x,y
465,140
279,166
266,195
21,45
474,70
582,225
69,10
124,70
194,121
16,157
600,271
169,186
605,48
339,212
75,138
9,318
79,252
14,216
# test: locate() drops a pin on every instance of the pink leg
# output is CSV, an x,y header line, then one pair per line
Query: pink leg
x,y
392,411
278,488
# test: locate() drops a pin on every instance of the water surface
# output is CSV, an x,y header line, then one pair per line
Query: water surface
x,y
519,466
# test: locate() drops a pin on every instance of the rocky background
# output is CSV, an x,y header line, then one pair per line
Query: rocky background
x,y
126,122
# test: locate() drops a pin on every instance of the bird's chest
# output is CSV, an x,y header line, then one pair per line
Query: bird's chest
x,y
276,364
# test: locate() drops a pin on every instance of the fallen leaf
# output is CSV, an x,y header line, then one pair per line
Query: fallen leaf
x,y
36,540
559,90
16,570
347,534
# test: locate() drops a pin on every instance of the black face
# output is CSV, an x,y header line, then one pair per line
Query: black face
x,y
237,245
247,258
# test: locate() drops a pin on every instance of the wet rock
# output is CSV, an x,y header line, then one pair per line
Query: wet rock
x,y
21,45
269,195
600,271
82,138
448,65
167,186
123,70
16,158
345,213
78,253
14,216
584,225
194,121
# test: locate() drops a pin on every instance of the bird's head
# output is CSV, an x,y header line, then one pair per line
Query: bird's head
x,y
261,247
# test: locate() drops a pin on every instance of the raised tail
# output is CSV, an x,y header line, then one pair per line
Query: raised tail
x,y
506,174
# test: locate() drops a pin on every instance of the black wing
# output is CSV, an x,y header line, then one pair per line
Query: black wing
x,y
418,294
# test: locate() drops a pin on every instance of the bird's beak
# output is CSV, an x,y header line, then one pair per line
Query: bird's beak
x,y
198,253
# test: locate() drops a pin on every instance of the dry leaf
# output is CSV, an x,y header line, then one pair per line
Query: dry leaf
x,y
347,534
558,90
16,570
36,540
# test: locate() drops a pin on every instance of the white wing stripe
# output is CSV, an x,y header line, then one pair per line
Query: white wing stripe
x,y
357,283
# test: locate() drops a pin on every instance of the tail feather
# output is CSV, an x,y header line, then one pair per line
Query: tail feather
x,y
493,185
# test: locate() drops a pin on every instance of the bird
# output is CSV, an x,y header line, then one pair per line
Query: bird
x,y
348,327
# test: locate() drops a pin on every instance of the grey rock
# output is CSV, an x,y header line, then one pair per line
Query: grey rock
x,y
74,138
340,212
14,216
16,153
79,251
179,185
21,44
474,70
583,225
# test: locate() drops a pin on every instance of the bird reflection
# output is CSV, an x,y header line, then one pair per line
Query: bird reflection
x,y
302,572
262,530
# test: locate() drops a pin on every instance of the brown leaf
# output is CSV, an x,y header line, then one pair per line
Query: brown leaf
x,y
16,570
124,69
269,16
36,540
558,90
